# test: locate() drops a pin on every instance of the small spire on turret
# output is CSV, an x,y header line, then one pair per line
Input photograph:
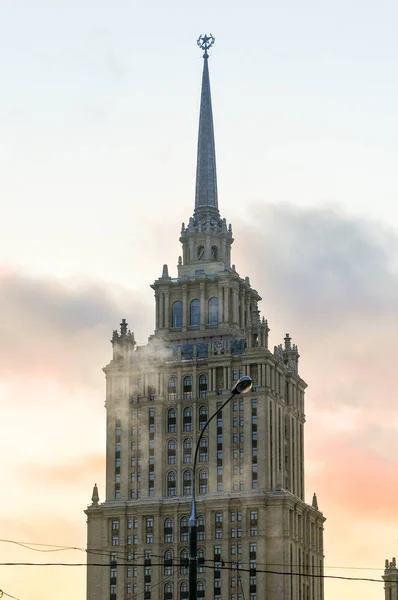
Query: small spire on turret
x,y
288,340
165,272
123,327
95,496
315,502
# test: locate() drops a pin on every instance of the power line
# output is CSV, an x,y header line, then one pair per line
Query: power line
x,y
287,573
122,553
3,593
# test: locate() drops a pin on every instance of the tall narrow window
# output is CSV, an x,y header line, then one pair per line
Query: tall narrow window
x,y
177,314
187,482
203,386
168,532
187,419
213,311
202,417
172,388
203,451
184,525
187,452
171,452
203,481
214,253
168,562
201,527
187,387
168,591
184,559
200,252
201,561
171,420
171,483
184,590
195,313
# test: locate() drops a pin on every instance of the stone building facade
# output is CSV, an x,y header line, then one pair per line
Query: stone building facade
x,y
257,537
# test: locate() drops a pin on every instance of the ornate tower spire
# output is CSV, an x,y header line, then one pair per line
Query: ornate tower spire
x,y
206,197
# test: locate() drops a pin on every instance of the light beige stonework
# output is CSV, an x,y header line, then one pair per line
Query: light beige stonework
x,y
258,537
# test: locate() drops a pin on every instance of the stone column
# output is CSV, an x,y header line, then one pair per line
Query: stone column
x,y
184,307
226,306
242,309
161,310
166,309
220,303
157,309
202,305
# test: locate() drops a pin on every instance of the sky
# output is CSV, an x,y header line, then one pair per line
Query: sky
x,y
98,118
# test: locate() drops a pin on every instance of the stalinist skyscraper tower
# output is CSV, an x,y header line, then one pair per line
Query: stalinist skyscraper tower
x,y
257,537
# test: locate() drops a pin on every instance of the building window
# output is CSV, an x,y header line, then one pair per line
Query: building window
x,y
203,450
201,527
168,563
115,540
172,388
187,483
184,525
171,452
200,252
187,419
187,452
213,311
187,387
213,253
202,417
168,591
203,481
184,561
184,591
149,538
203,386
177,314
171,483
172,420
195,313
201,560
168,531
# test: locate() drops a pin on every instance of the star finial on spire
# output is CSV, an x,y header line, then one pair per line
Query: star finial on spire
x,y
205,42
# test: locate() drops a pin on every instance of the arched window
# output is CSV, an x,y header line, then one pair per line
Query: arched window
x,y
184,526
194,317
187,419
172,388
184,562
184,591
201,561
187,387
187,451
203,450
202,417
168,531
213,311
200,252
201,584
171,483
203,481
201,527
168,562
172,420
168,591
177,314
214,253
203,386
171,452
187,483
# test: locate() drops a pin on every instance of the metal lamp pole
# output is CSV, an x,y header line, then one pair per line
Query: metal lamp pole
x,y
243,385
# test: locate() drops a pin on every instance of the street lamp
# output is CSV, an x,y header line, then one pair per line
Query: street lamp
x,y
243,385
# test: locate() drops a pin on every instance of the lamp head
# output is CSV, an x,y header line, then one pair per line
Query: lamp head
x,y
243,385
